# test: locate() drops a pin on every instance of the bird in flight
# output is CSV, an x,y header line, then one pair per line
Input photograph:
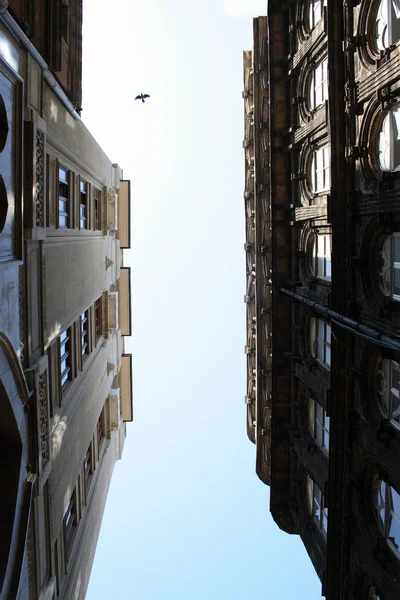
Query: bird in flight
x,y
142,97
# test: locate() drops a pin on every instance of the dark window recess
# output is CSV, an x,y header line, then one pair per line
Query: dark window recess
x,y
97,209
70,524
100,429
98,317
88,468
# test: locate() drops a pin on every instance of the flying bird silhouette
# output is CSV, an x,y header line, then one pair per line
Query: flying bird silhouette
x,y
142,97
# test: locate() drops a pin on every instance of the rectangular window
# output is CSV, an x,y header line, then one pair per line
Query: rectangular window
x,y
319,422
88,467
98,319
85,333
70,524
316,504
65,357
63,197
323,342
97,209
83,205
322,256
100,430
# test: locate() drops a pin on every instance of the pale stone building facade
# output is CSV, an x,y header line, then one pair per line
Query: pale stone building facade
x,y
65,379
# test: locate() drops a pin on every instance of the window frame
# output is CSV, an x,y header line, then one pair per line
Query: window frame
x,y
65,354
386,504
320,162
97,209
324,342
317,506
313,87
100,430
84,331
326,239
319,424
315,6
388,394
88,468
83,205
389,130
70,527
98,318
64,187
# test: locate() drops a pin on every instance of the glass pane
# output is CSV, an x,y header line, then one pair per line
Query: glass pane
x,y
328,334
320,412
328,356
394,530
320,350
327,421
321,329
396,282
395,502
326,440
318,433
396,248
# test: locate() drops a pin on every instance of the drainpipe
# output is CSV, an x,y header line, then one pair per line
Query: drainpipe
x,y
52,82
345,322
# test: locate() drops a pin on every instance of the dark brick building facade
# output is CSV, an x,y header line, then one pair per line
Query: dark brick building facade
x,y
322,203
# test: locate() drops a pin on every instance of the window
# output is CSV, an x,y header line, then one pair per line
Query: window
x,y
65,357
100,430
316,505
318,90
321,169
63,197
389,141
387,506
319,424
373,594
388,389
387,24
83,214
88,467
70,523
316,11
85,333
322,255
98,318
389,266
97,209
321,341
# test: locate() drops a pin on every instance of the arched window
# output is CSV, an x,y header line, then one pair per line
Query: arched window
x,y
315,12
388,389
389,266
320,334
389,141
316,505
318,85
319,424
321,255
320,175
387,24
387,506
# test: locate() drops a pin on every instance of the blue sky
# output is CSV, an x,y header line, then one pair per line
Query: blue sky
x,y
186,517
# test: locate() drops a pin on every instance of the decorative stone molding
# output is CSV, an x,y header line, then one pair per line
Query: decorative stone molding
x,y
39,187
43,418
